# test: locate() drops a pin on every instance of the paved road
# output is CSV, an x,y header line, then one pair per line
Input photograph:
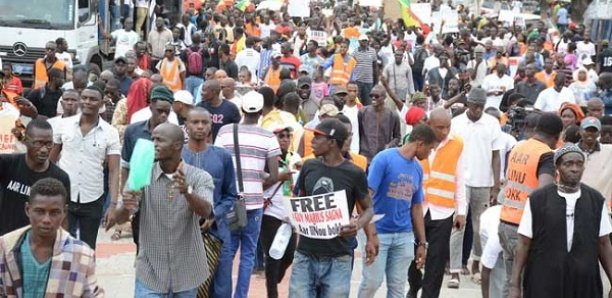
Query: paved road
x,y
115,271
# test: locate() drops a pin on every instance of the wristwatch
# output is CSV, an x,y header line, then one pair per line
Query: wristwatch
x,y
189,190
423,244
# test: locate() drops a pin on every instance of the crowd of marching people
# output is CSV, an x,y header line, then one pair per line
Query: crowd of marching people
x,y
489,144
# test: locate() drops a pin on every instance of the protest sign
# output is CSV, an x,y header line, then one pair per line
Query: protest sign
x,y
319,36
371,3
299,8
506,16
319,216
422,11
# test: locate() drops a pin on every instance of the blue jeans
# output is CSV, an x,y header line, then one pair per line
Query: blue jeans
x,y
364,92
247,239
222,282
322,277
141,291
395,253
192,83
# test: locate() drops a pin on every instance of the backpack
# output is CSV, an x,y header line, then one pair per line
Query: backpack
x,y
419,60
194,61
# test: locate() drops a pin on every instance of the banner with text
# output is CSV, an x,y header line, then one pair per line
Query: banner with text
x,y
319,216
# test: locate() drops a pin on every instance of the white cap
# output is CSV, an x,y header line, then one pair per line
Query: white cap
x,y
183,96
252,102
363,37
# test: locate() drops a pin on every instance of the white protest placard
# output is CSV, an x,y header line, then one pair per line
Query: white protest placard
x,y
319,216
422,11
370,3
451,19
506,16
319,36
299,8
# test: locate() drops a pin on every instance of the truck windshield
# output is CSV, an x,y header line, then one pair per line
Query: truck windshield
x,y
39,14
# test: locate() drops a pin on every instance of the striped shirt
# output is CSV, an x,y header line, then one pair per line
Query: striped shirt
x,y
256,146
364,69
171,247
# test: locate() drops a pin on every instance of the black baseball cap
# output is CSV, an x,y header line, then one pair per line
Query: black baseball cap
x,y
331,128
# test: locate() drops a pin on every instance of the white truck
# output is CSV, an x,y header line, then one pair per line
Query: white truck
x,y
27,25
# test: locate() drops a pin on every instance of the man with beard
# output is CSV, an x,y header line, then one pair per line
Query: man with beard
x,y
21,171
218,163
309,102
563,262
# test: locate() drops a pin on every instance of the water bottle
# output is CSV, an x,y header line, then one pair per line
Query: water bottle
x,y
281,240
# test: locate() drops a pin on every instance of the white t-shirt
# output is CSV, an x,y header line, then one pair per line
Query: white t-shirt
x,y
526,225
266,29
145,113
584,50
250,58
550,100
480,139
142,3
66,58
124,41
493,82
352,114
491,247
508,142
430,63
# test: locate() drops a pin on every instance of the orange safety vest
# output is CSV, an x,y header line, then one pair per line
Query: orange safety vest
x,y
272,78
522,179
170,73
40,72
439,182
341,71
308,136
359,160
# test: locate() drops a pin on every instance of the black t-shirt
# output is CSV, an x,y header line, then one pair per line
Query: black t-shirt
x,y
224,114
605,60
317,178
45,100
546,165
16,179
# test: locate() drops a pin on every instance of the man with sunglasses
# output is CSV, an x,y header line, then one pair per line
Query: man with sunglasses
x,y
379,127
21,171
43,65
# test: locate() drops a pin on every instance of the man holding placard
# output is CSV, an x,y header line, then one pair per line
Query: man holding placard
x,y
333,186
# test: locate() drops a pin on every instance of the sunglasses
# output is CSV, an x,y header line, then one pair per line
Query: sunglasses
x,y
284,135
171,51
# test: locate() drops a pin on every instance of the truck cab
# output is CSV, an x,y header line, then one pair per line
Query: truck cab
x,y
27,25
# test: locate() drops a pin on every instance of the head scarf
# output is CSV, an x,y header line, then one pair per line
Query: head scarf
x,y
575,76
138,96
575,108
414,115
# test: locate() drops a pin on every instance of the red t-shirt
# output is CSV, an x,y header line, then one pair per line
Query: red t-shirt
x,y
14,86
292,63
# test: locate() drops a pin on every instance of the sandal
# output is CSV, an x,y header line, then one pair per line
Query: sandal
x,y
453,283
116,235
465,271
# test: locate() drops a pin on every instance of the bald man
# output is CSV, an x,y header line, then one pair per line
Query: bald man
x,y
222,111
228,88
595,107
445,208
157,79
220,74
176,262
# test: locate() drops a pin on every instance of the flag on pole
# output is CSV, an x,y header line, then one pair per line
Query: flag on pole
x,y
410,19
243,5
